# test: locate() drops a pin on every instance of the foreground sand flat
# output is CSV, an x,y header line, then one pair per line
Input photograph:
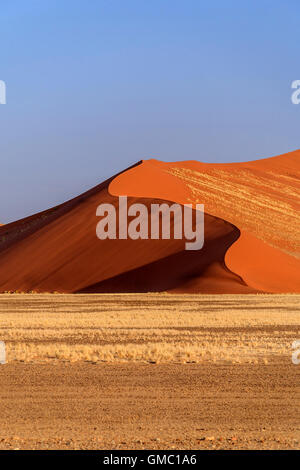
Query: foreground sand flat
x,y
152,406
149,371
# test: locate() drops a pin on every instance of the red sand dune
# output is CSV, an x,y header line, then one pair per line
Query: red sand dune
x,y
251,234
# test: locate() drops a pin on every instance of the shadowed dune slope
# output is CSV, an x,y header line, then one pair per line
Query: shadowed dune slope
x,y
185,271
251,234
63,254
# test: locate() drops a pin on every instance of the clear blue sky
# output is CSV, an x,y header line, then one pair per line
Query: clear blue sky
x,y
96,85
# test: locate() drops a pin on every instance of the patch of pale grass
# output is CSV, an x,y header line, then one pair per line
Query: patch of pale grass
x,y
149,327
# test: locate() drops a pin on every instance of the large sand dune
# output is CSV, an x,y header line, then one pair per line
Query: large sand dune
x,y
252,222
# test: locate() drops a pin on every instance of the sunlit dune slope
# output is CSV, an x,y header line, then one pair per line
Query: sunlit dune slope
x,y
261,198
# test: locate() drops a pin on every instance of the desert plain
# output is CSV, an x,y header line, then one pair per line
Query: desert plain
x,y
149,371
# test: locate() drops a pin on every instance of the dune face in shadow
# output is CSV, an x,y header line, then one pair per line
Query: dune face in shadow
x,y
251,234
184,271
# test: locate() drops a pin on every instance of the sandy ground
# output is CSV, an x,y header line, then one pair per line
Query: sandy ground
x,y
136,406
149,371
